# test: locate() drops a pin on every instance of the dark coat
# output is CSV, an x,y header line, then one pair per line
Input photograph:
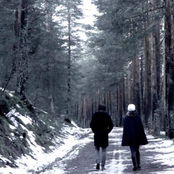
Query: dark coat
x,y
133,131
101,124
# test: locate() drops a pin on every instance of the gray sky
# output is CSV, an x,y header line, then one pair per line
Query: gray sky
x,y
89,11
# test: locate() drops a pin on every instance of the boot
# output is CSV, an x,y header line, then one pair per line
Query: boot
x,y
134,164
138,161
98,166
103,166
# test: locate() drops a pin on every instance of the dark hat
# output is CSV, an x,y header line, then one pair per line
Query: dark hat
x,y
102,107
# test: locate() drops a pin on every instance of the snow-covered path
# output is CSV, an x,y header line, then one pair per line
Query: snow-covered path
x,y
75,154
156,157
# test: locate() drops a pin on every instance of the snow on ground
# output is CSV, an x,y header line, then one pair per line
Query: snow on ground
x,y
118,165
70,138
115,165
163,148
68,146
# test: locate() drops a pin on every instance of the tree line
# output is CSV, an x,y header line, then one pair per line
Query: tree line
x,y
134,50
128,58
39,48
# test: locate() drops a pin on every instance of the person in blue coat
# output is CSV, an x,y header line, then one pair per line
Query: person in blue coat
x,y
133,135
101,125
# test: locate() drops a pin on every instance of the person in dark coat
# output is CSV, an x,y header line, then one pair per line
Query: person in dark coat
x,y
101,125
133,135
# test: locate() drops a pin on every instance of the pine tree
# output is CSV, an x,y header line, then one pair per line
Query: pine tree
x,y
71,14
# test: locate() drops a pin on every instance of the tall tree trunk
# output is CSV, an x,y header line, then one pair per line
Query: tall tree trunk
x,y
128,86
169,67
21,31
50,74
154,85
69,62
136,84
23,49
127,98
155,73
124,96
141,86
147,92
120,104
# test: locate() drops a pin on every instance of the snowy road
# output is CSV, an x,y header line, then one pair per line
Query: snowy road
x,y
74,153
157,157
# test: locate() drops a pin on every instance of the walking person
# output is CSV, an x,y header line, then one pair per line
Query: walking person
x,y
101,125
133,135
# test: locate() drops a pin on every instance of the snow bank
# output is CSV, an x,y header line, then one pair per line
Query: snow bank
x,y
165,147
38,159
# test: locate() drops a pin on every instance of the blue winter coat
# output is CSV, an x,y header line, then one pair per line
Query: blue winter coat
x,y
101,124
133,131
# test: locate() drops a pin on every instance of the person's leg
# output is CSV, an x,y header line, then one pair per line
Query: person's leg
x,y
133,156
97,149
138,157
133,153
103,157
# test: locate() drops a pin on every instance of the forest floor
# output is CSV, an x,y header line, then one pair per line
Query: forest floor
x,y
156,157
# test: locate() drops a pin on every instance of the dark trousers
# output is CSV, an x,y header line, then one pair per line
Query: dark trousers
x,y
134,151
103,155
135,154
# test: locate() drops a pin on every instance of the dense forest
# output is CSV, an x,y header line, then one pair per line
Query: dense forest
x,y
128,57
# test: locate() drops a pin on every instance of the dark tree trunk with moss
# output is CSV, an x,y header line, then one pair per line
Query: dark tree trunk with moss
x,y
169,67
69,63
22,49
22,73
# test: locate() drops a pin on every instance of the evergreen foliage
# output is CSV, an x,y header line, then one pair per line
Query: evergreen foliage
x,y
133,48
128,58
45,51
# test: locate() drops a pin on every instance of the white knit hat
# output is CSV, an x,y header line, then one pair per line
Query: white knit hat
x,y
131,107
